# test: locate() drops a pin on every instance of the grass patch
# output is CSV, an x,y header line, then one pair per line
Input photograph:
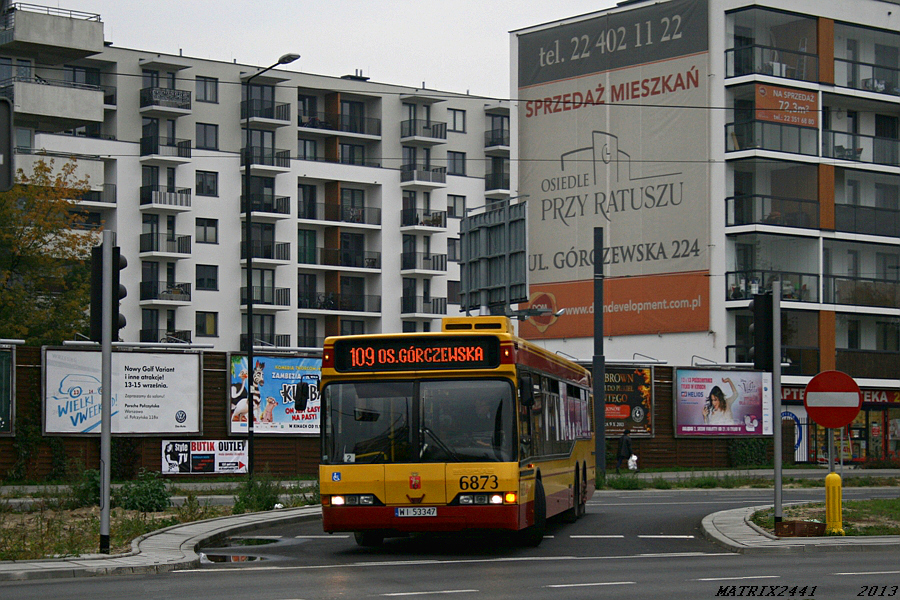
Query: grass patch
x,y
879,516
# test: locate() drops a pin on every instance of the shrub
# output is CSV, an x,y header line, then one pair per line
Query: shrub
x,y
259,493
147,494
751,452
86,490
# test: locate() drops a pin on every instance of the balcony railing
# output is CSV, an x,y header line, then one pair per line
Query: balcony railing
x,y
164,146
410,217
423,129
166,98
795,287
338,122
267,203
861,291
795,360
867,219
270,157
106,195
423,262
496,181
423,174
769,60
496,137
771,210
161,290
778,137
268,250
273,340
867,76
419,304
336,257
310,341
165,196
333,212
267,295
859,147
345,302
163,242
166,336
876,364
266,109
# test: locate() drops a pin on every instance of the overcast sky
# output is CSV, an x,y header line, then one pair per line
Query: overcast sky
x,y
450,45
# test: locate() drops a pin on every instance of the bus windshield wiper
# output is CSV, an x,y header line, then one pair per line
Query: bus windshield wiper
x,y
440,444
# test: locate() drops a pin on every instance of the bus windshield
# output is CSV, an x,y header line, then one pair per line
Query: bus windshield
x,y
457,420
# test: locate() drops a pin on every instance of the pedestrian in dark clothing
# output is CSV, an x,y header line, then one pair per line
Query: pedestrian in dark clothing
x,y
623,453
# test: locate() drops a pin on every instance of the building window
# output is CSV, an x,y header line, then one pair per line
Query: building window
x,y
887,335
353,154
207,324
306,201
456,206
207,278
306,108
306,333
207,183
453,290
456,163
207,231
453,249
457,120
207,89
306,149
349,327
207,136
409,326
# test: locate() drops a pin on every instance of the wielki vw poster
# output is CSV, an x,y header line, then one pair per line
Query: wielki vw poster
x,y
151,393
613,128
285,398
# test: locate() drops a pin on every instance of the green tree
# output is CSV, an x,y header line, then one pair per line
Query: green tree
x,y
44,256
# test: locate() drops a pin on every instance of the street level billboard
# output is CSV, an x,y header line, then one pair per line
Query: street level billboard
x,y
721,403
613,127
288,396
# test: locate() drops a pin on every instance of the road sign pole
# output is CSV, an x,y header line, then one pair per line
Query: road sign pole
x,y
776,393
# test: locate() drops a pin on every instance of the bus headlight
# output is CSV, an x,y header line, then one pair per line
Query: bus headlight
x,y
482,499
353,500
337,501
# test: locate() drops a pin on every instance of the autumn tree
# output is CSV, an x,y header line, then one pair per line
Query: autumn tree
x,y
44,256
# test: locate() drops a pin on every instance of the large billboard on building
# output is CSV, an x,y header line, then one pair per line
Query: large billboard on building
x,y
151,393
613,132
288,396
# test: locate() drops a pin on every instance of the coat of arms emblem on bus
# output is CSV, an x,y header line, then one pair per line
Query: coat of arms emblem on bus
x,y
415,482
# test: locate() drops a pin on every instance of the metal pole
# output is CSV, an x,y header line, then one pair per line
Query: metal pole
x,y
776,392
106,388
599,361
248,234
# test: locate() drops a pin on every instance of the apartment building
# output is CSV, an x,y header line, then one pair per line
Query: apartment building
x,y
354,188
722,145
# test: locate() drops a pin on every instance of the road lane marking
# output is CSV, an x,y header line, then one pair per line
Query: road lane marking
x,y
667,537
738,578
321,537
871,573
429,593
599,583
595,537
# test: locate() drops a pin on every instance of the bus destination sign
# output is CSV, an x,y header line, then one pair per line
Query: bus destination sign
x,y
417,353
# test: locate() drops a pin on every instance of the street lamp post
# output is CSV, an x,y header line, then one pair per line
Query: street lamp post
x,y
248,235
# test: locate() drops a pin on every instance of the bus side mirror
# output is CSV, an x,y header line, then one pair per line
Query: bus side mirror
x,y
526,390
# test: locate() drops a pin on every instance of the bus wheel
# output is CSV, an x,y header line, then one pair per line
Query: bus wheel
x,y
535,534
369,539
582,496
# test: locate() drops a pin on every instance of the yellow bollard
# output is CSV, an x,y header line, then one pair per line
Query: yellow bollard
x,y
833,524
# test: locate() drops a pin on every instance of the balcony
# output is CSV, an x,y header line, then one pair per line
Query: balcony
x,y
165,244
496,142
868,220
795,360
769,60
420,261
771,210
868,77
267,207
862,291
268,297
310,341
104,197
266,114
266,161
164,198
336,257
413,217
53,105
313,211
268,340
777,137
860,148
53,35
87,166
340,302
422,177
496,186
411,306
165,336
174,292
165,102
418,132
795,287
164,151
329,123
268,251
875,364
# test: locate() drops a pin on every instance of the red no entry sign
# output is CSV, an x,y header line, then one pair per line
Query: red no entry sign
x,y
832,399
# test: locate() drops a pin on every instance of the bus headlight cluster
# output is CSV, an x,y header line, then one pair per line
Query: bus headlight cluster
x,y
353,500
482,499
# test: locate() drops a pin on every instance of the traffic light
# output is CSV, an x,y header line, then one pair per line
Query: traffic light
x,y
117,319
762,350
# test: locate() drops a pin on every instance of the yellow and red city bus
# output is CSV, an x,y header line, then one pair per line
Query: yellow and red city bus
x,y
469,428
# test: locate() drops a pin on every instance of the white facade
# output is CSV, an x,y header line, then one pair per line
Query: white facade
x,y
814,203
357,186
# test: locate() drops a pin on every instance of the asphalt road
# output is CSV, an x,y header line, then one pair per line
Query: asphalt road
x,y
644,544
